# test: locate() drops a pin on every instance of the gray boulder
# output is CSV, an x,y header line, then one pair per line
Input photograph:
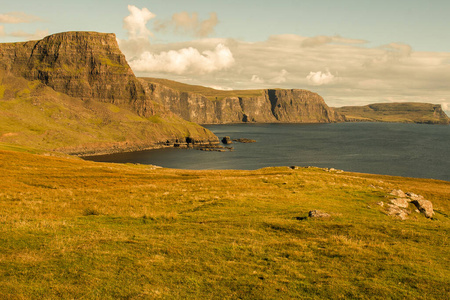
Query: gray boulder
x,y
425,207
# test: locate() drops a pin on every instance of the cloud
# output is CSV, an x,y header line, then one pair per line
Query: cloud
x,y
319,78
17,17
136,22
185,61
257,79
39,34
317,41
2,31
189,24
281,77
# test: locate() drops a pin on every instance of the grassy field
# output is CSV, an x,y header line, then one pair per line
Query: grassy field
x,y
210,93
72,229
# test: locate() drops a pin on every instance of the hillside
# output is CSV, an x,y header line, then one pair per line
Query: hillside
x,y
209,106
34,115
73,229
75,92
396,112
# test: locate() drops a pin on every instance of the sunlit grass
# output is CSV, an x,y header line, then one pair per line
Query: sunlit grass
x,y
76,229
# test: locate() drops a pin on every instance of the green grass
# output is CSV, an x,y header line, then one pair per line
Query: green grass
x,y
76,229
210,93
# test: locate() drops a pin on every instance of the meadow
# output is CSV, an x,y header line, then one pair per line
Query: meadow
x,y
73,229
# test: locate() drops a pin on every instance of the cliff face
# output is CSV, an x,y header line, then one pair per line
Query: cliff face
x,y
270,106
86,65
408,112
86,68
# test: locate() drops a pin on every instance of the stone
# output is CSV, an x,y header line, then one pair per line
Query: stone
x,y
244,140
226,140
413,196
398,193
400,202
318,214
425,207
394,210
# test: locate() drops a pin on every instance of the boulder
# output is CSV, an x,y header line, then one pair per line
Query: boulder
x,y
413,196
398,193
425,207
318,214
226,140
400,202
394,210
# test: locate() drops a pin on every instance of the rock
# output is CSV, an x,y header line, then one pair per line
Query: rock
x,y
398,193
425,207
381,203
318,214
293,167
243,140
226,140
401,202
413,196
394,210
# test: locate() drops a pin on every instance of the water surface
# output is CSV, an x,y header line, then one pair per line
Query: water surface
x,y
412,150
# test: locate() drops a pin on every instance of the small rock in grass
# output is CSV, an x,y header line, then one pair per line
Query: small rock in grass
x,y
318,214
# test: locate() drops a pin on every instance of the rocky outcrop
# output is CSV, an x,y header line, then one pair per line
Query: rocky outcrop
x,y
399,207
86,65
267,106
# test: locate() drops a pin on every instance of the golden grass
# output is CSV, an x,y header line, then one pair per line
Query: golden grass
x,y
210,93
76,229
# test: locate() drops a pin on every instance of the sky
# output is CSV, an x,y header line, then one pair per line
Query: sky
x,y
350,52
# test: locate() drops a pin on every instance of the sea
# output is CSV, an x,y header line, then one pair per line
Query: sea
x,y
409,150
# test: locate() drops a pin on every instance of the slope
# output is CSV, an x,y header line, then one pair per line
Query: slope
x,y
34,115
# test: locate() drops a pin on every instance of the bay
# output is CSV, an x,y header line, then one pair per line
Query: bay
x,y
411,150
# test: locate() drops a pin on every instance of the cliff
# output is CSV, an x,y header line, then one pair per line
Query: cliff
x,y
407,112
209,106
87,65
86,73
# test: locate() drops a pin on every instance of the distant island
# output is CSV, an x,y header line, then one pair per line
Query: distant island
x,y
408,112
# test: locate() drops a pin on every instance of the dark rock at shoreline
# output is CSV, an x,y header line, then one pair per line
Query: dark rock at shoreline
x,y
227,140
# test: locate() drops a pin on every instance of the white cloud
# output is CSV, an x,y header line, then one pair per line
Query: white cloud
x,y
319,78
281,77
185,61
17,17
257,79
136,22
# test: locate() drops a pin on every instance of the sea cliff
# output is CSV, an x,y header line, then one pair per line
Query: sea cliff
x,y
208,106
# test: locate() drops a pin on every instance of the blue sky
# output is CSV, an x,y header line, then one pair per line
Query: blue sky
x,y
350,52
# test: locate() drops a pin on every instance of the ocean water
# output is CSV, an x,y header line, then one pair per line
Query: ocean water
x,y
411,150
